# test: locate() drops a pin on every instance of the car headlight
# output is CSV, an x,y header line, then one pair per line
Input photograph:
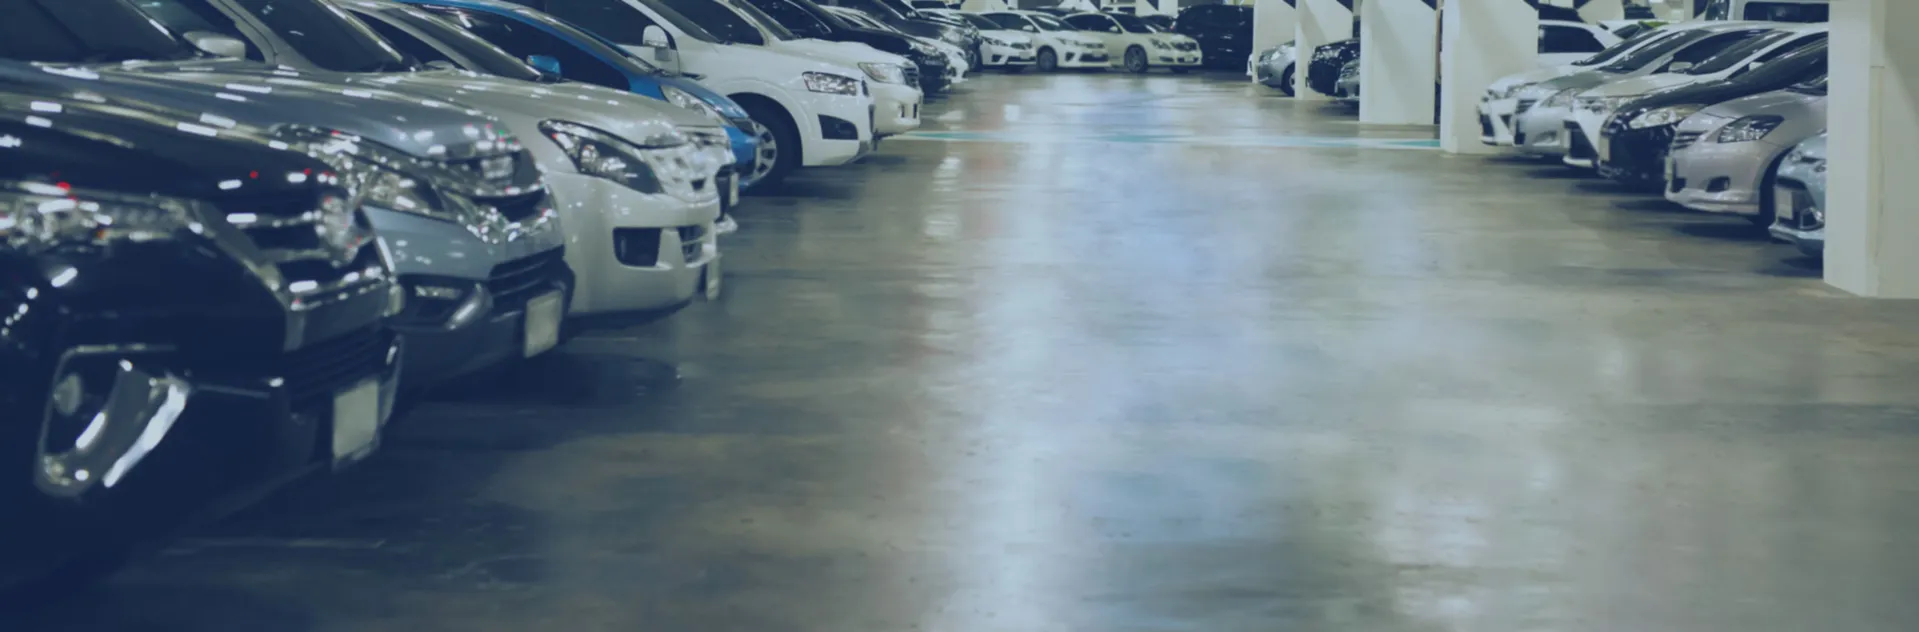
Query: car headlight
x,y
831,83
641,168
687,100
36,217
1162,45
884,73
1749,129
1560,99
953,36
1669,115
995,41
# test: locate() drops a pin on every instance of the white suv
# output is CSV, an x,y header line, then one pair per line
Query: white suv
x,y
811,112
894,80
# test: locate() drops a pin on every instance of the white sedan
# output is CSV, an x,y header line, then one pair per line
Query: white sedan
x,y
1139,46
999,47
1059,45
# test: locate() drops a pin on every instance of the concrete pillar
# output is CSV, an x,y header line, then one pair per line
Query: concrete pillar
x,y
1596,11
1484,40
1274,22
1321,22
1400,64
1872,191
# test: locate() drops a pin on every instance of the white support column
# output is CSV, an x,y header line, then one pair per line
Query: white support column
x,y
1872,189
1597,11
1274,22
1321,22
1400,63
1485,40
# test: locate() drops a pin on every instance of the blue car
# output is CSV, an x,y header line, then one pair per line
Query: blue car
x,y
555,46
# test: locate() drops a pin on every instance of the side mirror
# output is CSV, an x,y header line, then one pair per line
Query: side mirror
x,y
217,44
1679,66
655,37
544,63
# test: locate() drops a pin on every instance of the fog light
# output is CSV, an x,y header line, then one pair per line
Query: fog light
x,y
437,292
470,310
395,300
68,394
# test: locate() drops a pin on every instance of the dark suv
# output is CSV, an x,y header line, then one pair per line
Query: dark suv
x,y
193,316
1224,33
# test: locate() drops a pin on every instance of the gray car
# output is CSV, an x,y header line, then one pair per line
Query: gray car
x,y
459,205
1722,158
1275,66
1800,197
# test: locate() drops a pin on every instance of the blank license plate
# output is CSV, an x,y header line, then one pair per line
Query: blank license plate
x,y
1605,149
543,314
1782,205
356,421
1672,169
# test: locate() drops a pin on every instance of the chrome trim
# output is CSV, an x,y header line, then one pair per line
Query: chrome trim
x,y
140,409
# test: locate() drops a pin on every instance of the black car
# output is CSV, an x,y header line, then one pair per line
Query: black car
x,y
1639,138
194,317
807,19
1323,71
897,14
1224,33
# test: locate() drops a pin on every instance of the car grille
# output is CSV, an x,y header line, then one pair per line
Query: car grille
x,y
317,371
1526,105
691,242
1485,125
293,234
518,208
1802,216
1683,140
1186,45
514,282
1577,146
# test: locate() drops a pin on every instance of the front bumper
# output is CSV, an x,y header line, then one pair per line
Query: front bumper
x,y
632,251
1083,58
1541,131
1272,71
896,108
837,129
1799,220
1175,58
994,55
1581,130
1635,156
1719,178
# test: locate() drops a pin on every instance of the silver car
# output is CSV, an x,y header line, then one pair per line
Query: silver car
x,y
1723,156
1348,87
1799,196
1275,66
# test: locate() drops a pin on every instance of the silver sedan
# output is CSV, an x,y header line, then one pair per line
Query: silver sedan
x,y
1800,197
1723,157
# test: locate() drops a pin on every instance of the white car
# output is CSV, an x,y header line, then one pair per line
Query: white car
x,y
956,64
999,47
896,98
1502,99
1059,45
1593,107
1138,47
811,112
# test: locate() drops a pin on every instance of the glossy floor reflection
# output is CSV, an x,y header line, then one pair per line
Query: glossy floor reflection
x,y
1112,373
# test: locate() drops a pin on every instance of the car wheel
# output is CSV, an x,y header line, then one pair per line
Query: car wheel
x,y
1048,61
1136,59
1286,81
779,143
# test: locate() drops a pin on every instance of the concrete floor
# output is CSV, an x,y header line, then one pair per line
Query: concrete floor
x,y
1142,355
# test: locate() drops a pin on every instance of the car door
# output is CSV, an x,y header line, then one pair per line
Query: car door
x,y
1560,45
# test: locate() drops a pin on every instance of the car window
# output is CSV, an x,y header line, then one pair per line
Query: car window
x,y
1787,12
1130,23
477,54
405,42
717,19
84,30
1654,52
1092,23
194,15
325,35
523,40
794,18
1049,23
1555,39
1618,50
1717,56
1794,47
761,19
1011,22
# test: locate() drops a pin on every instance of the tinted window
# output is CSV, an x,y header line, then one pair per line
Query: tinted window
x,y
1788,12
83,30
612,19
411,46
193,15
1010,22
1620,49
325,36
477,54
1092,23
1567,39
523,40
1655,51
1725,52
978,21
761,19
717,19
1800,64
794,18
1131,24
1049,23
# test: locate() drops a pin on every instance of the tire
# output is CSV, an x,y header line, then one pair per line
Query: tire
x,y
1136,60
779,143
1767,212
1048,60
1287,79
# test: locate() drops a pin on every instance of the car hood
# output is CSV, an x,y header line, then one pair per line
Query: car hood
x,y
847,53
635,118
1642,85
1790,105
265,95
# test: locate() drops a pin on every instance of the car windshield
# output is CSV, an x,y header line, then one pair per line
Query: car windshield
x,y
765,22
1737,54
865,21
326,36
587,41
483,54
874,8
1010,21
1132,24
680,21
1050,23
1816,86
981,22
1654,52
84,31
1616,50
901,7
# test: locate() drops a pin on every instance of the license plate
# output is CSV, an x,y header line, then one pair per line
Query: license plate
x,y
1605,149
1782,205
356,421
543,315
1672,169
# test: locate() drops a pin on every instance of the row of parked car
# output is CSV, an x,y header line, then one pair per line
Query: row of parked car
x,y
1719,116
241,234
